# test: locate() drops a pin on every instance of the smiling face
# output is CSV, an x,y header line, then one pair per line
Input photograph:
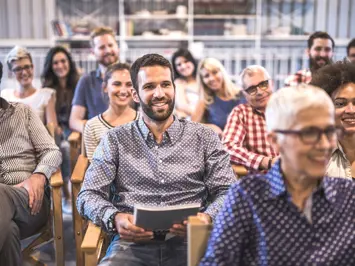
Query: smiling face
x,y
156,93
106,49
262,96
119,88
320,53
60,65
23,70
344,102
184,67
307,160
212,77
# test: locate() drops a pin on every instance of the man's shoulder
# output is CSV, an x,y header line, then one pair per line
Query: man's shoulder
x,y
347,186
196,128
252,186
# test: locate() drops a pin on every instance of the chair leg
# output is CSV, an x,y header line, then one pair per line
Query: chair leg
x,y
58,225
78,226
45,237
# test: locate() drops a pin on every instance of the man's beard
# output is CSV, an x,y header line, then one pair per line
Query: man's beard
x,y
158,116
104,62
313,64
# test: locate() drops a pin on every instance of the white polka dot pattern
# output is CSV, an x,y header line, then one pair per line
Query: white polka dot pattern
x,y
188,166
259,225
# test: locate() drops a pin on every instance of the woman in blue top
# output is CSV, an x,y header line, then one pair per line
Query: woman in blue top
x,y
218,95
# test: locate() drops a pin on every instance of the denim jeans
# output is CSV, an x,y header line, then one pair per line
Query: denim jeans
x,y
172,252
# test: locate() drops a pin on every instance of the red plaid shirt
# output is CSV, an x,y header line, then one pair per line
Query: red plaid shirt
x,y
244,137
301,76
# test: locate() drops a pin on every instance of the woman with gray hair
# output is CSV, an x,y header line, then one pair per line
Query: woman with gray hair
x,y
294,214
42,100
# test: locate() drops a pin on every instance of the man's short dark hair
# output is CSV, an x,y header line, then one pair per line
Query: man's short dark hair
x,y
350,45
333,76
0,72
319,35
149,60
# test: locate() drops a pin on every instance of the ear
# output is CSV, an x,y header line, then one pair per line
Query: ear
x,y
135,96
104,87
307,51
274,141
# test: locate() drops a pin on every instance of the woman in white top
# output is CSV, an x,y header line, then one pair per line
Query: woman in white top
x,y
338,80
187,91
42,100
118,85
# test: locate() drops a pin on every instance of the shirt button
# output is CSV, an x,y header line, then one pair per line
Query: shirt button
x,y
156,147
162,181
160,161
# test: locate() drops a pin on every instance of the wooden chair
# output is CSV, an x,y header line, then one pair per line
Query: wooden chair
x,y
94,244
198,234
78,222
75,141
239,170
53,230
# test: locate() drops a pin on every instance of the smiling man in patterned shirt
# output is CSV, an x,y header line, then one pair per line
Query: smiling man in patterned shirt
x,y
158,160
28,158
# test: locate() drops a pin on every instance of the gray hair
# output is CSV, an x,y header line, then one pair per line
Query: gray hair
x,y
287,102
17,53
250,71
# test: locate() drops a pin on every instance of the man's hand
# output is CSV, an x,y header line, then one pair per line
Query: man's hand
x,y
35,188
128,231
181,229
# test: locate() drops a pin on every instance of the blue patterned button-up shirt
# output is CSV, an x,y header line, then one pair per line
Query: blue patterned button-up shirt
x,y
188,166
259,225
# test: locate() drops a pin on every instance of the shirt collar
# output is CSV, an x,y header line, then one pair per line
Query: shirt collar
x,y
277,186
3,104
172,132
98,73
339,149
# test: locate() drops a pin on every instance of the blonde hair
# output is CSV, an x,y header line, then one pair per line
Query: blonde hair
x,y
17,53
99,31
206,94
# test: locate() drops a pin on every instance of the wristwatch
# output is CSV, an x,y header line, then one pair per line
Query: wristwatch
x,y
111,227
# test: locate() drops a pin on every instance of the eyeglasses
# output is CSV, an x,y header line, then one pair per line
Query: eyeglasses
x,y
20,69
312,135
252,90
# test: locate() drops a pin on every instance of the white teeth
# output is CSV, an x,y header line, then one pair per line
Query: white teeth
x,y
159,104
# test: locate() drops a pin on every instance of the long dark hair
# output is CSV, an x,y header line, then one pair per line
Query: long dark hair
x,y
49,78
188,56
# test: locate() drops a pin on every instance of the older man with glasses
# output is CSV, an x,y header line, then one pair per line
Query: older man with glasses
x,y
244,136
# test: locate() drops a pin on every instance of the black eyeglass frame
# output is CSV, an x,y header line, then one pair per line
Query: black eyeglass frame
x,y
330,133
20,69
263,85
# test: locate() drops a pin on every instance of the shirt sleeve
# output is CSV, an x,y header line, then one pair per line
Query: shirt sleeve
x,y
218,173
230,231
93,200
233,140
47,153
79,94
90,141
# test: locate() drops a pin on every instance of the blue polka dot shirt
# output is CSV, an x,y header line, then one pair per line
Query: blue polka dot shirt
x,y
259,225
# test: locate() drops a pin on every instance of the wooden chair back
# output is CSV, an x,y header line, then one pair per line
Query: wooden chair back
x,y
198,234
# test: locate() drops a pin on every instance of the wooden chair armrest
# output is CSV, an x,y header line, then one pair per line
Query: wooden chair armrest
x,y
239,170
79,170
56,179
74,137
91,239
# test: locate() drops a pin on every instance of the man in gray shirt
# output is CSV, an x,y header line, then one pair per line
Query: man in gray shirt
x,y
28,158
157,160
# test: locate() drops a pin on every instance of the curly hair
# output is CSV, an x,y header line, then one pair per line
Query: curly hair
x,y
333,76
149,60
188,56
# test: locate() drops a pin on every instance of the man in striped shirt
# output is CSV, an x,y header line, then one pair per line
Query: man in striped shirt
x,y
244,136
28,158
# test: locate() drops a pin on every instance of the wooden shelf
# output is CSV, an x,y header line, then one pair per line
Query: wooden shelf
x,y
251,16
155,17
158,38
25,42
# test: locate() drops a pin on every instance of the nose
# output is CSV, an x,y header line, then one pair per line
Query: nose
x,y
159,92
323,53
350,108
